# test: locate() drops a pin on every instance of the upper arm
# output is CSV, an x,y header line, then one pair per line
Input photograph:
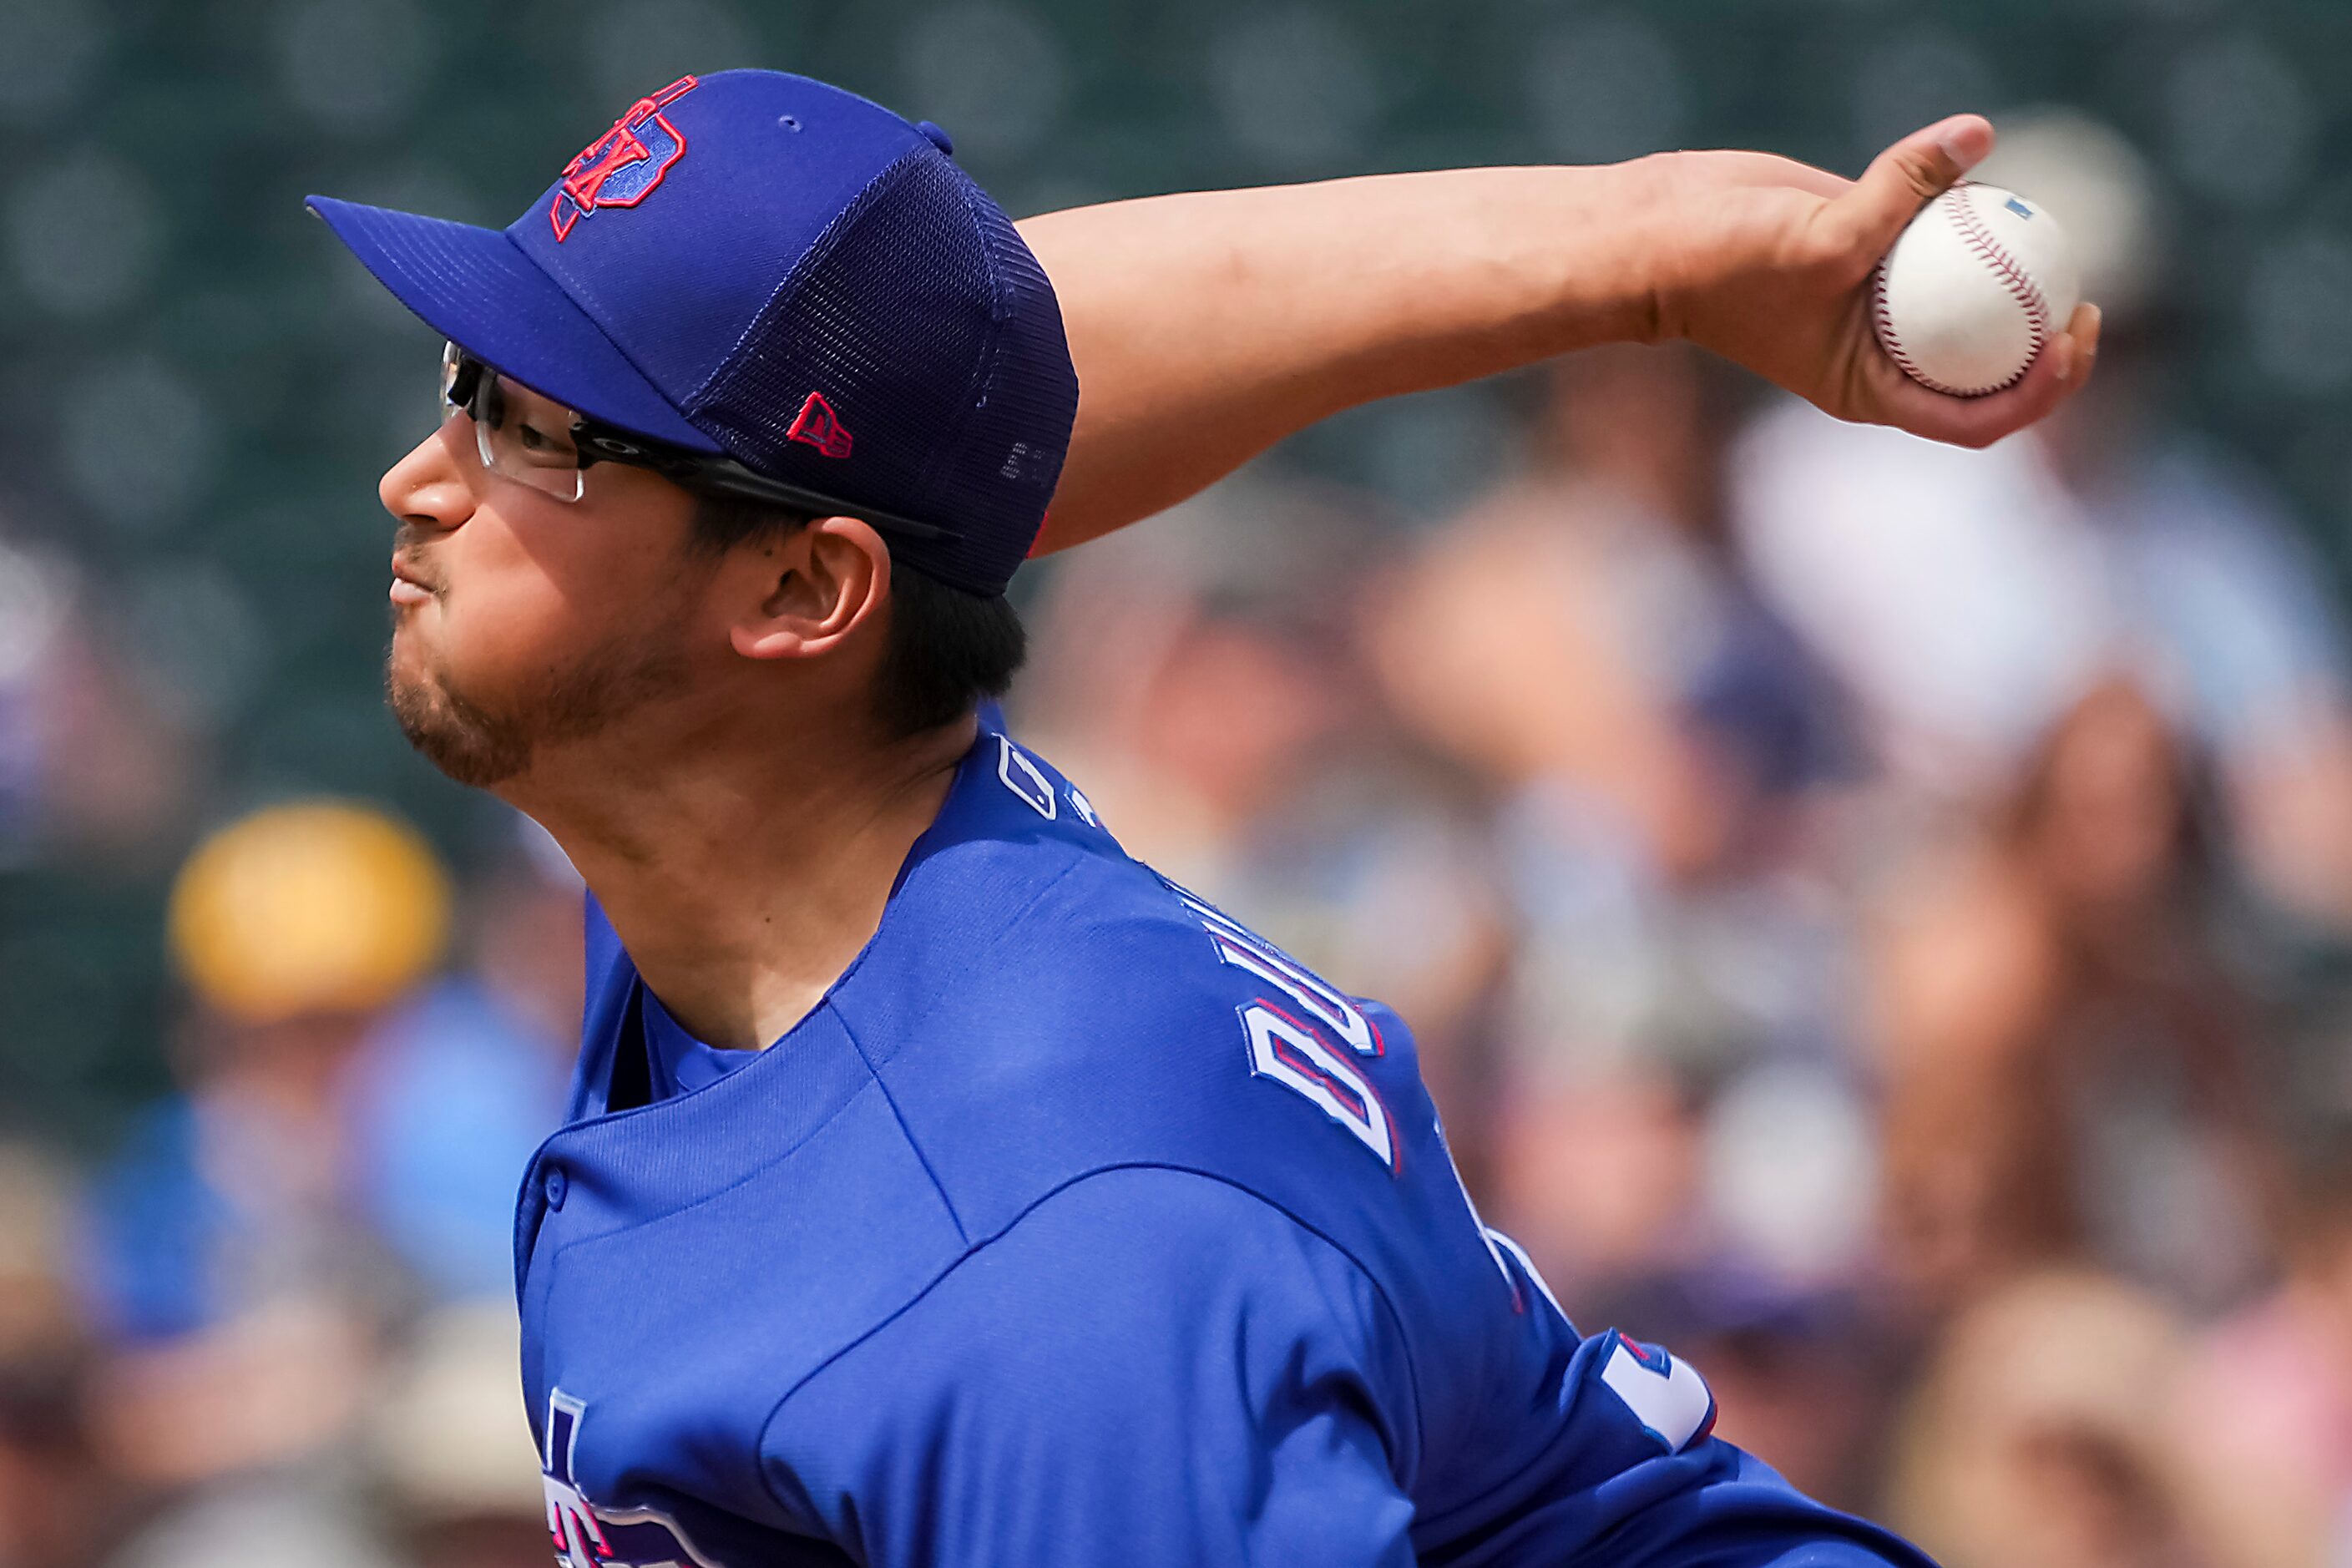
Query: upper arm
x,y
1152,1367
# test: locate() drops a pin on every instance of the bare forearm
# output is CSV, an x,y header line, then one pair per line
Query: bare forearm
x,y
1206,326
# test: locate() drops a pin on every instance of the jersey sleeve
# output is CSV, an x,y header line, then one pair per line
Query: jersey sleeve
x,y
1638,1480
1152,1367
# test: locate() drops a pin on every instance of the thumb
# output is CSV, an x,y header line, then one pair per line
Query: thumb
x,y
1868,218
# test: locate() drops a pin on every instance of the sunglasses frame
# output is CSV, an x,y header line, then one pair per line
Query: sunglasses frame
x,y
469,380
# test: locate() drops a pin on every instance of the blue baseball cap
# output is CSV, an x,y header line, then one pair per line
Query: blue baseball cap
x,y
764,267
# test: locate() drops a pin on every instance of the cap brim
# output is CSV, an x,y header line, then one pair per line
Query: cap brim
x,y
477,288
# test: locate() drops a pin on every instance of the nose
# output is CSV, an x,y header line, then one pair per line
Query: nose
x,y
427,487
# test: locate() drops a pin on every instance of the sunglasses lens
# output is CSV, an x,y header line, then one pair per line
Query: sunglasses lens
x,y
528,438
519,435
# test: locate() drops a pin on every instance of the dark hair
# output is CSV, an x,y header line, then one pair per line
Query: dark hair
x,y
947,649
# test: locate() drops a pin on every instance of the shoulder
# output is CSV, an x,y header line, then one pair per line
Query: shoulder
x,y
1062,1010
1036,944
1057,1007
1019,889
1110,1018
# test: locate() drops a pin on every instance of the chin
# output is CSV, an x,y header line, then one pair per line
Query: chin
x,y
482,726
410,681
467,744
410,636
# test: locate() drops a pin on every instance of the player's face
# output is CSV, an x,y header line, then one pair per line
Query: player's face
x,y
521,621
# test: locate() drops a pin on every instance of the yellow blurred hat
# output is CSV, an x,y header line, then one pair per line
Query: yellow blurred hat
x,y
313,907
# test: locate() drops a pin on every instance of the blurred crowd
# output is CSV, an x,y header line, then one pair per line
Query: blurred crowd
x,y
1876,918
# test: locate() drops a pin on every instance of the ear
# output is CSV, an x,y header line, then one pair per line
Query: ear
x,y
817,585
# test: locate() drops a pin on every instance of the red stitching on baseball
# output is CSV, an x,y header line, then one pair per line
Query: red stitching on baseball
x,y
2021,285
1962,213
1884,318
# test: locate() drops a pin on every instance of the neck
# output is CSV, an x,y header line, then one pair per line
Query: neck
x,y
743,886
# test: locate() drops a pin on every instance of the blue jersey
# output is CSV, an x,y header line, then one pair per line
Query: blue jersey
x,y
1077,1226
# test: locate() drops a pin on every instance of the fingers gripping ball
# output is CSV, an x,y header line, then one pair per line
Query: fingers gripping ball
x,y
1973,290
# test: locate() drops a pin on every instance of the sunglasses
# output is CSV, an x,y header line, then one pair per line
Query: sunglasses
x,y
534,442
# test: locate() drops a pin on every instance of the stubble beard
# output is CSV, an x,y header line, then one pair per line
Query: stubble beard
x,y
481,746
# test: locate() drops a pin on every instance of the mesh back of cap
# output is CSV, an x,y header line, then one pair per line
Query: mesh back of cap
x,y
928,328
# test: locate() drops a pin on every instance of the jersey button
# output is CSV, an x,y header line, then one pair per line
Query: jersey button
x,y
558,1184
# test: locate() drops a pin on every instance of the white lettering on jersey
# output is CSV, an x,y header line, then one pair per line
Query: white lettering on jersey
x,y
1244,948
1288,1051
1669,1399
1290,1048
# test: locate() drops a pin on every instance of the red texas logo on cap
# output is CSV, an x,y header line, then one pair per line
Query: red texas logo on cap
x,y
621,168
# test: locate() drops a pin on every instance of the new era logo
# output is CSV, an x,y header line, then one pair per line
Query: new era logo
x,y
818,426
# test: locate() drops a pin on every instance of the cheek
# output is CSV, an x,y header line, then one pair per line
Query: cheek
x,y
504,608
494,632
528,598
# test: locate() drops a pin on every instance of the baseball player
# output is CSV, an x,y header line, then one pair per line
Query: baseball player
x,y
940,1184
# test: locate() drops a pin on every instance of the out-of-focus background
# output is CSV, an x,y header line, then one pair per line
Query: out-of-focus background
x,y
1878,918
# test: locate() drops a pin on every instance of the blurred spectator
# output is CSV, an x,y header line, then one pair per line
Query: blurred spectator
x,y
263,1521
230,1252
1665,748
2070,1067
2264,1416
2038,1439
1600,1179
296,929
450,1451
54,1504
346,1148
1583,629
1802,1379
85,765
450,1094
1972,598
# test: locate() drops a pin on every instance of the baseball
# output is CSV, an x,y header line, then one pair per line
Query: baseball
x,y
1975,285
